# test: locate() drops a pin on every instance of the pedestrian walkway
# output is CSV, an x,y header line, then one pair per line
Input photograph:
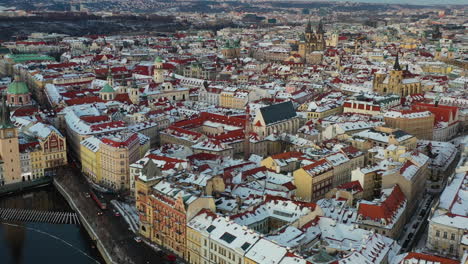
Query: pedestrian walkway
x,y
25,215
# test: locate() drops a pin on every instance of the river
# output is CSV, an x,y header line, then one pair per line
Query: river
x,y
25,243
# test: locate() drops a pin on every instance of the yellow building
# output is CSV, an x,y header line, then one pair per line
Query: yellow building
x,y
314,111
313,181
9,148
417,123
37,163
164,211
397,82
311,42
382,137
106,160
436,67
234,99
42,149
91,159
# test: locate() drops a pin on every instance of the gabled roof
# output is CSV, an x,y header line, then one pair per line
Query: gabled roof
x,y
278,112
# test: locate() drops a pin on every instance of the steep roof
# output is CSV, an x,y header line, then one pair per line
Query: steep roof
x,y
278,112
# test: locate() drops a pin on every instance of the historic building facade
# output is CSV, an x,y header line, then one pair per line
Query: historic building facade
x,y
311,41
399,82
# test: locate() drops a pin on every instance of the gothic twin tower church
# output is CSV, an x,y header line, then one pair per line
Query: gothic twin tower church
x,y
311,41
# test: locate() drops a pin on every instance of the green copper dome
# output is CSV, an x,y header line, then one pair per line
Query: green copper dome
x,y
17,87
158,59
107,89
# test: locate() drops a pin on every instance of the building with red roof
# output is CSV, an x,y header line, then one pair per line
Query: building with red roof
x,y
386,216
445,119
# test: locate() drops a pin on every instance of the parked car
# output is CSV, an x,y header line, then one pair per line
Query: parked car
x,y
171,258
138,239
87,195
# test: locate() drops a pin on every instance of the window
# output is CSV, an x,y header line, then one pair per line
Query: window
x,y
437,233
452,237
445,235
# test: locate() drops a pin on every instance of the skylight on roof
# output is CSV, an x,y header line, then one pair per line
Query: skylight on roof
x,y
227,237
245,246
210,228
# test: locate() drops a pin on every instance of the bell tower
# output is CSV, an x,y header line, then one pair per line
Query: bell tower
x,y
396,77
158,76
9,146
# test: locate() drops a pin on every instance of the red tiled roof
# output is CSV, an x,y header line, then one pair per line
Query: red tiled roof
x,y
443,113
84,100
94,119
26,111
180,131
429,258
61,65
354,186
120,144
384,210
123,98
288,155
115,124
230,136
24,146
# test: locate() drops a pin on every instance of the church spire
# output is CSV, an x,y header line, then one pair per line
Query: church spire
x,y
396,66
320,28
5,121
308,28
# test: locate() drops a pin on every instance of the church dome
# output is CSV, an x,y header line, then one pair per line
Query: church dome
x,y
17,87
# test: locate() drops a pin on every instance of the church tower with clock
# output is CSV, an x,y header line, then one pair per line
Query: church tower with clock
x,y
9,147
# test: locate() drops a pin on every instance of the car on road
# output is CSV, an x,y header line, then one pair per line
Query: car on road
x,y
137,239
100,213
117,214
171,258
87,195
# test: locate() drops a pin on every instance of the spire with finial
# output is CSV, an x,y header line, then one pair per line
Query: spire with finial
x,y
5,121
110,79
320,28
308,28
396,66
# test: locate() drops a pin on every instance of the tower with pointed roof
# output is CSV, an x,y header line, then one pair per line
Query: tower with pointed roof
x,y
396,77
158,75
9,147
312,41
110,79
134,92
398,81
